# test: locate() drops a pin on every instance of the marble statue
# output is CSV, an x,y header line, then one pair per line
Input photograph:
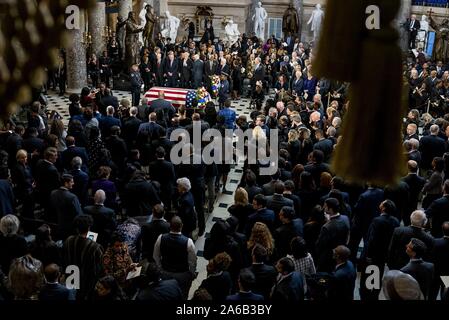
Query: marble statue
x,y
232,32
316,19
422,33
259,21
171,27
141,20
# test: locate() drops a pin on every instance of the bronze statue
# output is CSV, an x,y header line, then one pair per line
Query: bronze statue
x,y
132,41
290,20
441,45
148,30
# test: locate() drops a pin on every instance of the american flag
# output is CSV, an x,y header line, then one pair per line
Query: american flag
x,y
177,96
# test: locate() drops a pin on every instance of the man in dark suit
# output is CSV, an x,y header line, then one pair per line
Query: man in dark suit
x,y
14,143
131,127
210,69
277,201
376,248
65,207
107,122
258,75
431,146
400,195
197,71
413,27
438,211
422,271
415,184
33,143
317,166
171,70
117,147
81,181
246,283
149,130
46,177
163,172
365,210
265,274
185,206
262,214
333,233
71,152
440,259
103,217
223,67
158,289
186,70
397,257
323,144
151,231
288,193
164,106
344,275
289,229
52,290
194,171
289,286
139,196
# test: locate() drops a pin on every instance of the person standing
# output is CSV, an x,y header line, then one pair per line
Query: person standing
x,y
414,26
175,253
136,84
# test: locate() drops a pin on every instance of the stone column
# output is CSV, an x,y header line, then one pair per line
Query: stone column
x,y
249,26
298,5
97,22
76,59
404,14
125,6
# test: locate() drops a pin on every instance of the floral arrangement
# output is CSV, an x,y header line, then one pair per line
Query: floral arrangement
x,y
215,85
202,97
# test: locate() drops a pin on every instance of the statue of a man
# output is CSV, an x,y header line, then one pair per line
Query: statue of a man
x,y
259,21
171,25
232,32
120,36
148,30
316,19
132,41
441,45
290,21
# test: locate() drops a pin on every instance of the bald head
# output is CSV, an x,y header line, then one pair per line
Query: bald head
x,y
412,166
100,197
418,218
434,129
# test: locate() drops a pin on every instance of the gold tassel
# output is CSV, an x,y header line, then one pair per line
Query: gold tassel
x,y
339,44
371,146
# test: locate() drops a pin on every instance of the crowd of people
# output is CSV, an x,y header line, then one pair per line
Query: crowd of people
x,y
290,236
